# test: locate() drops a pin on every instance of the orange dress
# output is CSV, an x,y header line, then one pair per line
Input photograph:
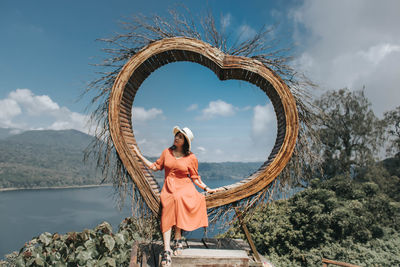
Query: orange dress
x,y
182,204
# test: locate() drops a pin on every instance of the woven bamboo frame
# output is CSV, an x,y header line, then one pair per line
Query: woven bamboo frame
x,y
168,50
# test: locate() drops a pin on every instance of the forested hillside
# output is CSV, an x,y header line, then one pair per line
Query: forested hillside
x,y
45,158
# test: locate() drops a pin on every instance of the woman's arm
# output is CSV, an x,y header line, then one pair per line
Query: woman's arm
x,y
203,186
145,161
194,174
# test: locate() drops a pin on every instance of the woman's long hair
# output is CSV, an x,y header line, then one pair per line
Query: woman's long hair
x,y
185,146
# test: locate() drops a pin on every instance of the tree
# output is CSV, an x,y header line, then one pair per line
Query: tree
x,y
350,132
392,120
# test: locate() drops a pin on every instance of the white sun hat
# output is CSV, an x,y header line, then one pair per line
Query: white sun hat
x,y
186,132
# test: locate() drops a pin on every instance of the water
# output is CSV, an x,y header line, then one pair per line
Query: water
x,y
28,213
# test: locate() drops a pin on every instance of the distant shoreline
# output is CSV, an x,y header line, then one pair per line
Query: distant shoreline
x,y
53,187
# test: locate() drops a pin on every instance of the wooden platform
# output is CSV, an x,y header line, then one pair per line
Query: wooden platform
x,y
211,257
198,252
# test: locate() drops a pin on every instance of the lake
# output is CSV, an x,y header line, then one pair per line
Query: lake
x,y
28,213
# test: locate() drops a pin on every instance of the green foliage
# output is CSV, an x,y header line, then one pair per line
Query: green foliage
x,y
385,175
340,219
91,247
392,120
392,165
350,132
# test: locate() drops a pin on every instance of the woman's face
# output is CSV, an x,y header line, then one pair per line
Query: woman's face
x,y
179,139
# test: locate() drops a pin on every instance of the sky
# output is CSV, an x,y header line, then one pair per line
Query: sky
x,y
48,49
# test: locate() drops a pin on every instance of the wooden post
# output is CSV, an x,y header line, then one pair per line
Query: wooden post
x,y
134,260
248,236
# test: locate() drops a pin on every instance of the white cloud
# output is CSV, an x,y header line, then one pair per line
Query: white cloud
x,y
361,48
264,130
70,120
246,32
245,108
376,54
24,110
201,149
192,107
153,145
226,20
275,13
9,109
262,118
219,151
217,108
142,141
35,105
140,114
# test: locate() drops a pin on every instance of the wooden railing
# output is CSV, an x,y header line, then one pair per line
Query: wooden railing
x,y
325,263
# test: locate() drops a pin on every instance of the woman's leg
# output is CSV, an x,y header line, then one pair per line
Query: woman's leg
x,y
166,254
178,246
167,239
178,233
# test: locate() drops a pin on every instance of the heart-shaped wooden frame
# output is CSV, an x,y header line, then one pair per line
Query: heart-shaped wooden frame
x,y
168,50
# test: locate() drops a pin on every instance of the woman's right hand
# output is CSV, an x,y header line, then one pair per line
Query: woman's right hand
x,y
145,161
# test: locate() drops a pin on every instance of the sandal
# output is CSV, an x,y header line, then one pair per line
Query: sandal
x,y
178,247
166,258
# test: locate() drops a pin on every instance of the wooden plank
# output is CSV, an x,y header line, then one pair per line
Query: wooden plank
x,y
194,243
213,253
162,58
126,120
154,63
210,257
243,244
125,112
339,263
127,96
229,243
130,91
126,125
157,61
149,254
130,139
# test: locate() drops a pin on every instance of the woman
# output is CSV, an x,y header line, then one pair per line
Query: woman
x,y
183,207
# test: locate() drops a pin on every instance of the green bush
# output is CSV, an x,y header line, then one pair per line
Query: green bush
x,y
339,219
91,247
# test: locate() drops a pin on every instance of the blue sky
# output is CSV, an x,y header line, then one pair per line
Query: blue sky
x,y
47,47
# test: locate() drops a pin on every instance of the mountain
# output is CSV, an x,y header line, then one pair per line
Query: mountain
x,y
6,132
47,158
72,139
